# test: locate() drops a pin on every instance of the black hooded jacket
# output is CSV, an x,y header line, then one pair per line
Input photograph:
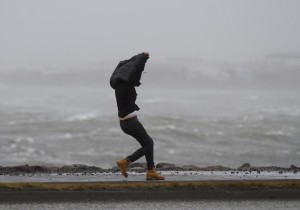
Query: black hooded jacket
x,y
127,75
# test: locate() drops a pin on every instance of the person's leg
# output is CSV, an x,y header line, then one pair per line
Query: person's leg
x,y
135,129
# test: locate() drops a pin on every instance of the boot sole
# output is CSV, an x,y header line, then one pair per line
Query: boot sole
x,y
124,173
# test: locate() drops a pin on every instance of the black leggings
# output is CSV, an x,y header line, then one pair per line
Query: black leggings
x,y
135,129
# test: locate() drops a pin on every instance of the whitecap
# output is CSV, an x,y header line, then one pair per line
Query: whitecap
x,y
257,117
171,127
283,152
67,136
171,151
13,146
276,133
30,150
220,133
215,120
82,117
94,132
21,139
165,127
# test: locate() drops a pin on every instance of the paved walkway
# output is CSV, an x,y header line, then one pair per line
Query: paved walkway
x,y
184,185
139,177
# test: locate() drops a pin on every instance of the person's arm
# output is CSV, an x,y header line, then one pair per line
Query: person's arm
x,y
140,61
138,67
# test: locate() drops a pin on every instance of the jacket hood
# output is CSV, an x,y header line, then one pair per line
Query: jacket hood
x,y
129,71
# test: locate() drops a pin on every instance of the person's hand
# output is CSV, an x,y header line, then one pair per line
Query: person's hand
x,y
147,54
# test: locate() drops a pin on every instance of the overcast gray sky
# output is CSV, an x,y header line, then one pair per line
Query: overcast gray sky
x,y
78,32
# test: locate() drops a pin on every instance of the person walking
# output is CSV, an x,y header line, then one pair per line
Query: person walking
x,y
124,79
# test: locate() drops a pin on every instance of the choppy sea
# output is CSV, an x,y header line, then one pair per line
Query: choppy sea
x,y
67,125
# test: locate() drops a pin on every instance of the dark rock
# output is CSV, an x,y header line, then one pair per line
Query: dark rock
x,y
216,168
114,169
24,169
166,166
293,167
254,169
248,167
138,165
244,167
134,167
269,168
177,168
138,169
80,168
191,168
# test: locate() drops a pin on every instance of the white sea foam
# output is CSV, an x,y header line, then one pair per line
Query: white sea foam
x,y
165,127
30,150
21,122
220,133
256,117
67,136
171,151
13,146
195,130
276,133
82,117
26,139
97,131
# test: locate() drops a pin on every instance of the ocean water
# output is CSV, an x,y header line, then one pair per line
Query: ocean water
x,y
65,125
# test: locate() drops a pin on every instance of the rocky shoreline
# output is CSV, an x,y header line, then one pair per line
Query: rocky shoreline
x,y
134,167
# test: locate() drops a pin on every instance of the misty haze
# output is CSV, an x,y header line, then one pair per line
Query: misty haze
x,y
221,86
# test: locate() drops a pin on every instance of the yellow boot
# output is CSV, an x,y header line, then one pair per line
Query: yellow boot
x,y
153,175
123,166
